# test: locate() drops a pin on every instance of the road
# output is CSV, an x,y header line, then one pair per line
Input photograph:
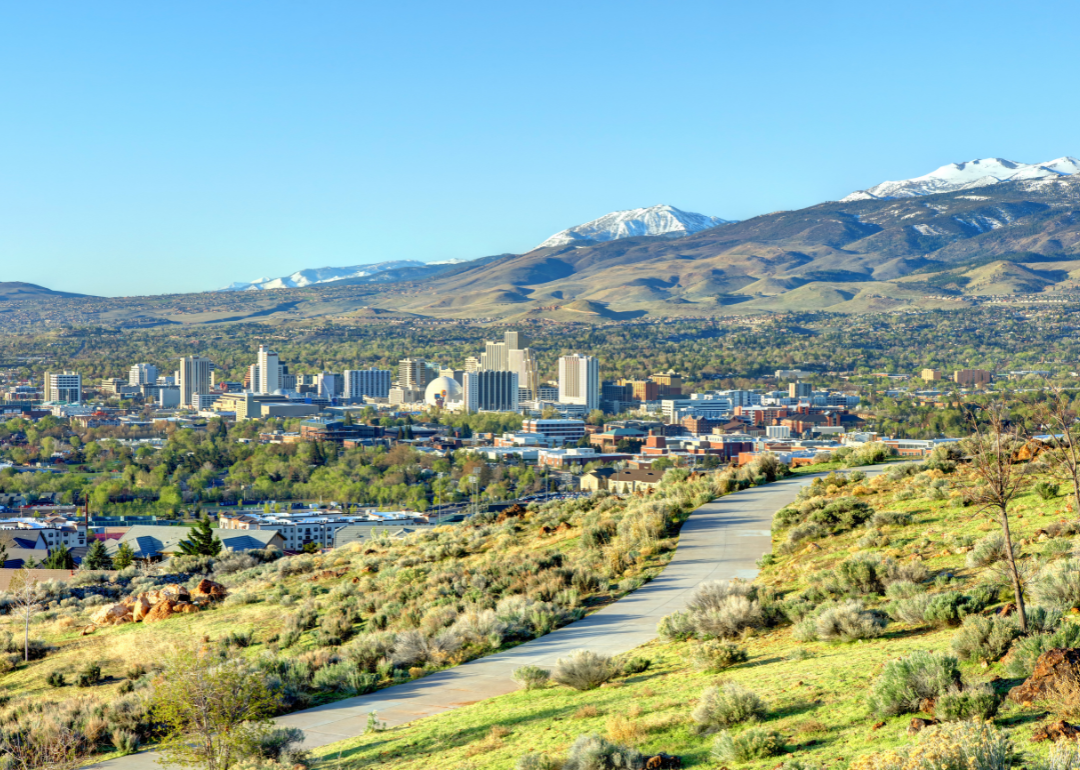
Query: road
x,y
721,540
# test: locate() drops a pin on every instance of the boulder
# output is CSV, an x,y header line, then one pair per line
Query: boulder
x,y
174,591
140,607
663,761
918,724
210,589
161,611
111,615
1056,731
88,630
187,607
1053,669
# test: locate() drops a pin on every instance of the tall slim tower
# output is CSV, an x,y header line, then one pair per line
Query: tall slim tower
x,y
269,371
579,380
194,377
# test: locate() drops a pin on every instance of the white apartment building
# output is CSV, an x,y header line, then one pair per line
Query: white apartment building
x,y
367,382
579,381
269,372
558,432
63,386
142,374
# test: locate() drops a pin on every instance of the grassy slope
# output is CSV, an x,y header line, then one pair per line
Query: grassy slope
x,y
816,703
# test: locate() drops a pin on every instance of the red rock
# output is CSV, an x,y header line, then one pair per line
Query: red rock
x,y
1056,731
1052,669
918,724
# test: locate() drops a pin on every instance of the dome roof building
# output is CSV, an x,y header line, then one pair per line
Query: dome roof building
x,y
441,390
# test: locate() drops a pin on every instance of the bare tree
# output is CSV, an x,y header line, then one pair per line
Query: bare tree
x,y
1058,416
1000,480
23,591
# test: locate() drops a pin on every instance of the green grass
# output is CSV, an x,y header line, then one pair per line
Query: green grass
x,y
816,703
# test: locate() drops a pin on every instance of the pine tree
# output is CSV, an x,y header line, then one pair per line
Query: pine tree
x,y
59,558
96,558
203,541
3,554
124,557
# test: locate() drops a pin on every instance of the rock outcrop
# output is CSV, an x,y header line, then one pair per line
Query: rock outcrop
x,y
111,615
1053,670
1056,731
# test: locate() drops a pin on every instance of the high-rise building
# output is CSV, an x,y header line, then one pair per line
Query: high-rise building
x,y
269,372
194,377
579,381
62,386
329,385
472,364
800,390
931,375
414,374
491,391
497,355
367,382
523,362
142,374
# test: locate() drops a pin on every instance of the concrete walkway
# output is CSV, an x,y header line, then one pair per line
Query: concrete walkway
x,y
721,540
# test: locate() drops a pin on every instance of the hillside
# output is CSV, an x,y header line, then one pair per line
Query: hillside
x,y
930,251
834,614
17,290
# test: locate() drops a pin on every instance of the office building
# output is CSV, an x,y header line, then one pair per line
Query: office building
x,y
414,374
522,361
556,432
194,377
490,391
142,374
579,381
267,377
472,364
329,385
374,383
497,355
800,390
202,401
971,377
62,386
931,375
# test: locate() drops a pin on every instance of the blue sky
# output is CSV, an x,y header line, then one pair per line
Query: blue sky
x,y
162,147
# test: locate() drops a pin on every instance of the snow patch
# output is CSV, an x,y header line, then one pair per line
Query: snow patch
x,y
666,221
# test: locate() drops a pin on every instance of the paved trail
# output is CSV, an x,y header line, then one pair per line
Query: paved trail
x,y
720,540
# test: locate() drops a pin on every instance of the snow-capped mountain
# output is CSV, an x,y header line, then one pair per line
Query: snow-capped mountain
x,y
320,275
966,176
663,220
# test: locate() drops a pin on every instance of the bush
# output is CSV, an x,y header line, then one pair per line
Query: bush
x,y
989,550
904,589
949,746
55,679
1058,586
1047,490
714,656
848,622
591,752
755,743
905,683
282,745
584,670
535,760
676,627
531,677
125,741
842,514
863,574
890,518
635,665
977,702
948,608
731,617
984,639
726,705
88,676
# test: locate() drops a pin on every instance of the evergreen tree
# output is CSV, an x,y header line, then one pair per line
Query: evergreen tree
x,y
96,558
203,541
124,557
59,558
3,554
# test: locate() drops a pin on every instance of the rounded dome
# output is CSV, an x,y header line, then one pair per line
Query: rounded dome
x,y
442,389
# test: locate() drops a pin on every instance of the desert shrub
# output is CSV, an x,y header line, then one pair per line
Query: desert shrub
x,y
634,665
948,608
282,745
786,517
842,514
904,589
863,574
125,741
676,627
950,746
531,677
592,752
1058,585
1046,490
806,531
584,670
535,760
848,622
238,639
755,743
1063,528
1027,649
88,676
905,683
713,655
989,550
890,518
975,702
726,705
721,608
984,638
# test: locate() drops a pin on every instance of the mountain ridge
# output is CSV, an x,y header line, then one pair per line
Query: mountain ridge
x,y
661,221
969,175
